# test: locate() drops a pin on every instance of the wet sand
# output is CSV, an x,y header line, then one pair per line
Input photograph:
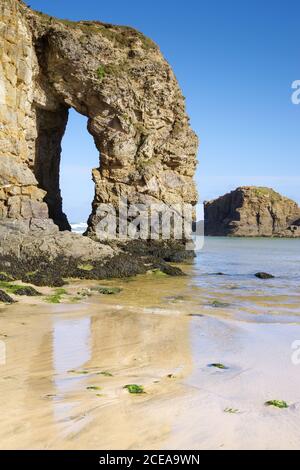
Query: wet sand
x,y
160,333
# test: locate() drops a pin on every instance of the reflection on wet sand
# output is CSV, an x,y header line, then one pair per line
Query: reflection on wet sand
x,y
46,400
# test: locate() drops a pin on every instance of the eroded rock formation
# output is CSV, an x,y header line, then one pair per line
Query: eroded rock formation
x,y
252,212
136,114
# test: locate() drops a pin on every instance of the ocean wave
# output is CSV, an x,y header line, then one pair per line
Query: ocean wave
x,y
79,227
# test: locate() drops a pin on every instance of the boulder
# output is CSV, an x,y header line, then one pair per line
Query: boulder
x,y
263,275
5,298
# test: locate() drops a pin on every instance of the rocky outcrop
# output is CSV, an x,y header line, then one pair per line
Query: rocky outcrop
x,y
116,77
252,212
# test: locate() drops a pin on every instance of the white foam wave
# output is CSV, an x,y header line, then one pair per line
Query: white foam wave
x,y
79,227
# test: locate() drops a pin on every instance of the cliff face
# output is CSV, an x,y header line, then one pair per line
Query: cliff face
x,y
118,79
252,212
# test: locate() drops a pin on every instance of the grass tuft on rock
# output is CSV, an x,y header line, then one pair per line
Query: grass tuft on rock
x,y
134,388
100,73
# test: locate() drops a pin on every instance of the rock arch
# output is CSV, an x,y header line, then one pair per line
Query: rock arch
x,y
116,77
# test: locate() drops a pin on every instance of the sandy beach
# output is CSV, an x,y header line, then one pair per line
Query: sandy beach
x,y
149,229
62,385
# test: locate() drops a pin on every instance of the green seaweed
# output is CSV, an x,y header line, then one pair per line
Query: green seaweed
x,y
231,410
277,403
56,297
105,373
93,387
11,288
218,365
78,371
134,388
157,273
85,267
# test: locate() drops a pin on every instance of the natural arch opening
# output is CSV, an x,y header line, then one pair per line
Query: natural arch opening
x,y
79,156
65,155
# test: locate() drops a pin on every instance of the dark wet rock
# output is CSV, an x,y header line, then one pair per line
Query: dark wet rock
x,y
168,269
219,304
263,275
44,277
171,251
175,298
42,271
5,277
108,290
27,290
5,298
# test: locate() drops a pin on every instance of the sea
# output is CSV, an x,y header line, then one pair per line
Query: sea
x,y
222,276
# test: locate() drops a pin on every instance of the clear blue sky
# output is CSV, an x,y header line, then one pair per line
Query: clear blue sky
x,y
235,61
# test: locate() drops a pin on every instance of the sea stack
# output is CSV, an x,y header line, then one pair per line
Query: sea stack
x,y
251,211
